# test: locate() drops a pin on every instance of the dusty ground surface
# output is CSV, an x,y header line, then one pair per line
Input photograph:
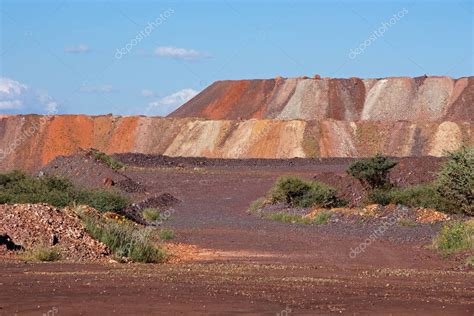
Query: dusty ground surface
x,y
239,263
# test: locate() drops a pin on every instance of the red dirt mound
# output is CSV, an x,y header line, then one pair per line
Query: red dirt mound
x,y
30,225
387,99
86,171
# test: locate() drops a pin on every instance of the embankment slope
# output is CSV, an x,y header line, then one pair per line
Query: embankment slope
x,y
31,141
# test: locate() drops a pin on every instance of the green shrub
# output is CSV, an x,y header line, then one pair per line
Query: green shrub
x,y
290,190
166,234
124,240
106,159
151,214
379,196
372,172
455,236
456,180
414,196
43,253
17,187
322,217
101,200
300,193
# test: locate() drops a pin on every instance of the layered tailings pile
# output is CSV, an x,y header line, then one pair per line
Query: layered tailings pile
x,y
277,118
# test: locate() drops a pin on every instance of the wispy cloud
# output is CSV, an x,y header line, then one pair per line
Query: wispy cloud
x,y
179,53
77,49
11,105
147,93
17,97
107,88
171,102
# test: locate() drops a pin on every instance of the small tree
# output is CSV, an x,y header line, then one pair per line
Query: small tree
x,y
456,180
372,172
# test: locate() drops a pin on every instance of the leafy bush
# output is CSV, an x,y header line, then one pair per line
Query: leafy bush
x,y
455,236
101,200
379,196
43,253
372,172
290,190
414,196
17,187
124,240
106,159
456,180
300,193
151,214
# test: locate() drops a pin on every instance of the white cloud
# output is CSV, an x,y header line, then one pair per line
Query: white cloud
x,y
11,105
147,93
11,87
98,89
51,106
77,49
171,102
16,97
179,53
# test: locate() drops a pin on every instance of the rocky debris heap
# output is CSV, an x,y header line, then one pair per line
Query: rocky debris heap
x,y
30,225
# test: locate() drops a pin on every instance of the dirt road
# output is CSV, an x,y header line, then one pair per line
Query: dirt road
x,y
247,265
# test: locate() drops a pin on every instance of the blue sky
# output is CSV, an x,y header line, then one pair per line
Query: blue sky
x,y
99,57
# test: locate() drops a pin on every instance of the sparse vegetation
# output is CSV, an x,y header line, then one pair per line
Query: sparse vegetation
x,y
300,193
42,253
414,196
151,214
106,159
124,240
17,187
167,234
290,218
470,261
455,236
451,192
372,172
256,205
456,180
407,222
322,217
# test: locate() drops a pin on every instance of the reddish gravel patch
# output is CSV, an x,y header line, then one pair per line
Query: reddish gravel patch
x,y
30,225
409,171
